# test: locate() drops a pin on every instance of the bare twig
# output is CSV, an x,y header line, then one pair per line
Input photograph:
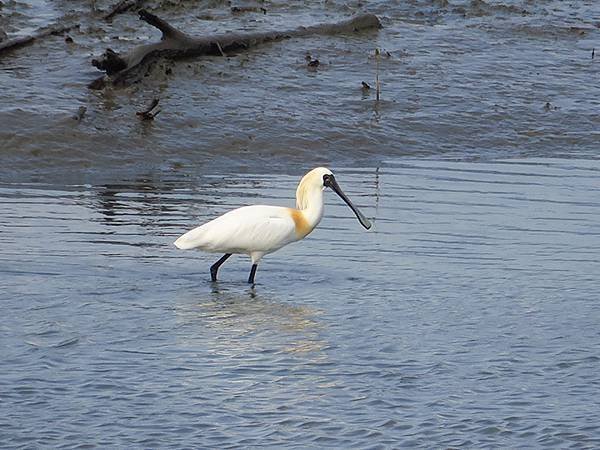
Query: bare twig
x,y
220,49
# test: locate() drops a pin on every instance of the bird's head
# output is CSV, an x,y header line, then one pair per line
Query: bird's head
x,y
321,178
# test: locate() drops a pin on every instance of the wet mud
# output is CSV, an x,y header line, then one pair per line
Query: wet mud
x,y
460,79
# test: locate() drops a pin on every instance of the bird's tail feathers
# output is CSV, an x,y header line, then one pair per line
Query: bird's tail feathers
x,y
189,240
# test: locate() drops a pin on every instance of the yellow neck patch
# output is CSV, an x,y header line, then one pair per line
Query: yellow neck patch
x,y
303,228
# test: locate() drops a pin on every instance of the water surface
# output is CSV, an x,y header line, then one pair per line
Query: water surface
x,y
467,317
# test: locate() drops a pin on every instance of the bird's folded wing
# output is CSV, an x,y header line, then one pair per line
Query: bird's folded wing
x,y
243,230
260,232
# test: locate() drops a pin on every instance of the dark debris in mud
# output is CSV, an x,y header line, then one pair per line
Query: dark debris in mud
x,y
121,7
151,112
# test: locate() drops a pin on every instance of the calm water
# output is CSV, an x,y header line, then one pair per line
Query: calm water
x,y
467,317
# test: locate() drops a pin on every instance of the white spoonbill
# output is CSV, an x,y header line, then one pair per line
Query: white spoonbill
x,y
257,230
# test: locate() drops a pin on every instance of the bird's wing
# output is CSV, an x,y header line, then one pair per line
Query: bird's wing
x,y
256,228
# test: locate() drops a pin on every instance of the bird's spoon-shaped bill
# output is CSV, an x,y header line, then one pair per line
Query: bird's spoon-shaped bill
x,y
332,183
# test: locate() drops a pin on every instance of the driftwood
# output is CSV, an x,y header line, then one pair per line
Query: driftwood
x,y
125,69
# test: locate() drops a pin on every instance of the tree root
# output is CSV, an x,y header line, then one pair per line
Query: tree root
x,y
122,70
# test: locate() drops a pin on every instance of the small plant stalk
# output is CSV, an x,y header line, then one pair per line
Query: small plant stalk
x,y
377,85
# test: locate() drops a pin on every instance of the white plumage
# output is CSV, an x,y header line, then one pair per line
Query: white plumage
x,y
260,229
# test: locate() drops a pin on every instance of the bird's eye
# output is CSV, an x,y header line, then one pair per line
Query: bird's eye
x,y
326,179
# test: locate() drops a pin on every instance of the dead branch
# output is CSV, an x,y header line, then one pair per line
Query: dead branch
x,y
126,69
42,33
58,29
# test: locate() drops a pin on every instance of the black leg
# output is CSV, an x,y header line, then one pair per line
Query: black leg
x,y
252,273
215,267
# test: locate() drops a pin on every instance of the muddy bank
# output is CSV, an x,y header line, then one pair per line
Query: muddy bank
x,y
466,80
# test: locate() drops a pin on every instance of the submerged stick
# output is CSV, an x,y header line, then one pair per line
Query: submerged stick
x,y
128,68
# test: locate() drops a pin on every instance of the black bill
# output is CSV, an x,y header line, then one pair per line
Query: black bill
x,y
329,181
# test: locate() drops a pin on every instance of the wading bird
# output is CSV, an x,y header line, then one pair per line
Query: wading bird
x,y
257,230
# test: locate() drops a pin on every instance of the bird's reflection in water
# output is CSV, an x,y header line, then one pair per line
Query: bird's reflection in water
x,y
244,319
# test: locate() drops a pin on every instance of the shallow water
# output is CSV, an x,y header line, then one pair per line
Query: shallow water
x,y
468,316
